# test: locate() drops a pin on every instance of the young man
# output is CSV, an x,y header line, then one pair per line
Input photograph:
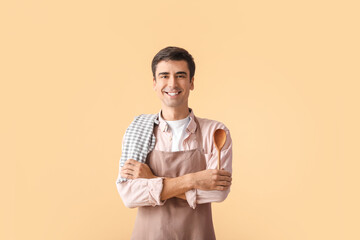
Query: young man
x,y
173,189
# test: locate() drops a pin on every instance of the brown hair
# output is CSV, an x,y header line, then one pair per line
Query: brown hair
x,y
174,53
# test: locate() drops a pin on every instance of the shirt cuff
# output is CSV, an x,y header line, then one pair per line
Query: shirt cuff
x,y
155,186
191,197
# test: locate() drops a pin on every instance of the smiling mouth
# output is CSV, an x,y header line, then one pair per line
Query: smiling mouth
x,y
172,94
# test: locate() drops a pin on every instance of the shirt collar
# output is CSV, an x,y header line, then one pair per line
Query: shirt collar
x,y
191,127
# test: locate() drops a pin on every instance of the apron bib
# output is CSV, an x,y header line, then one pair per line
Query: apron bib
x,y
175,220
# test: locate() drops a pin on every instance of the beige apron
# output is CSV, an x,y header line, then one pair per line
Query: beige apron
x,y
175,219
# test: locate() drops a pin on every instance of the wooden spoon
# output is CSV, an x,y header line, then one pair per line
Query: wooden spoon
x,y
219,140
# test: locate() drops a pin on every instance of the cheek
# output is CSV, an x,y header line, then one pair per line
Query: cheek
x,y
159,92
159,86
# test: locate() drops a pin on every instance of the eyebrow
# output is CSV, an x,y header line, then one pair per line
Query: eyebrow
x,y
166,73
181,73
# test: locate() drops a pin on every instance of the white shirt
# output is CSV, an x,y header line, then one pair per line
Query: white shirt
x,y
178,130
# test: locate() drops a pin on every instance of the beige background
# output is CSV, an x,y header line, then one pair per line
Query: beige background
x,y
282,75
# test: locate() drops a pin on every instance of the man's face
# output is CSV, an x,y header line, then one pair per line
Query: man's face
x,y
172,83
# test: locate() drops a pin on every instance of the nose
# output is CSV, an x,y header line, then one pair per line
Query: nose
x,y
171,81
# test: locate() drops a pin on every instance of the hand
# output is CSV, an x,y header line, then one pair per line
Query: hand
x,y
212,179
133,169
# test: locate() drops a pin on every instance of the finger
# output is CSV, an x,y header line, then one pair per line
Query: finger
x,y
126,175
130,172
221,188
133,162
127,161
225,178
224,183
127,167
221,178
129,175
224,173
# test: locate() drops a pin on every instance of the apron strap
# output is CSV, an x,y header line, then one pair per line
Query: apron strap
x,y
198,134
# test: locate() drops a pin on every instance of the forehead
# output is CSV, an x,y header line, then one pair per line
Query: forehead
x,y
172,66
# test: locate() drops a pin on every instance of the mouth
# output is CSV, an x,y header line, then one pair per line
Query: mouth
x,y
173,94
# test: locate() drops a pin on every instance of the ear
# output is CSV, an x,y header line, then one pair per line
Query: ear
x,y
192,84
154,84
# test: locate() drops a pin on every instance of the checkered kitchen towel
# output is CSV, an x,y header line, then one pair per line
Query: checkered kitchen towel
x,y
139,140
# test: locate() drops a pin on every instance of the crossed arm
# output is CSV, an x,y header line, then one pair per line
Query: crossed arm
x,y
209,179
143,188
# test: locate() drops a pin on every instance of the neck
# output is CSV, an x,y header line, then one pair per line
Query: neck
x,y
173,114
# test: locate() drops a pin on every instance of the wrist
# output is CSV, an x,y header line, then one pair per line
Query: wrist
x,y
191,180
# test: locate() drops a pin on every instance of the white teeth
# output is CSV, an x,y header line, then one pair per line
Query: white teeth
x,y
173,94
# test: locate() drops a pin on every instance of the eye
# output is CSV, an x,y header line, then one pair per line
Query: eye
x,y
181,76
163,76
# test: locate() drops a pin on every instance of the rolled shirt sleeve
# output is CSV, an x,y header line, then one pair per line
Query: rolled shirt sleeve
x,y
141,192
191,198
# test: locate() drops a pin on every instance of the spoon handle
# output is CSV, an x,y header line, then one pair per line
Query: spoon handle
x,y
219,151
